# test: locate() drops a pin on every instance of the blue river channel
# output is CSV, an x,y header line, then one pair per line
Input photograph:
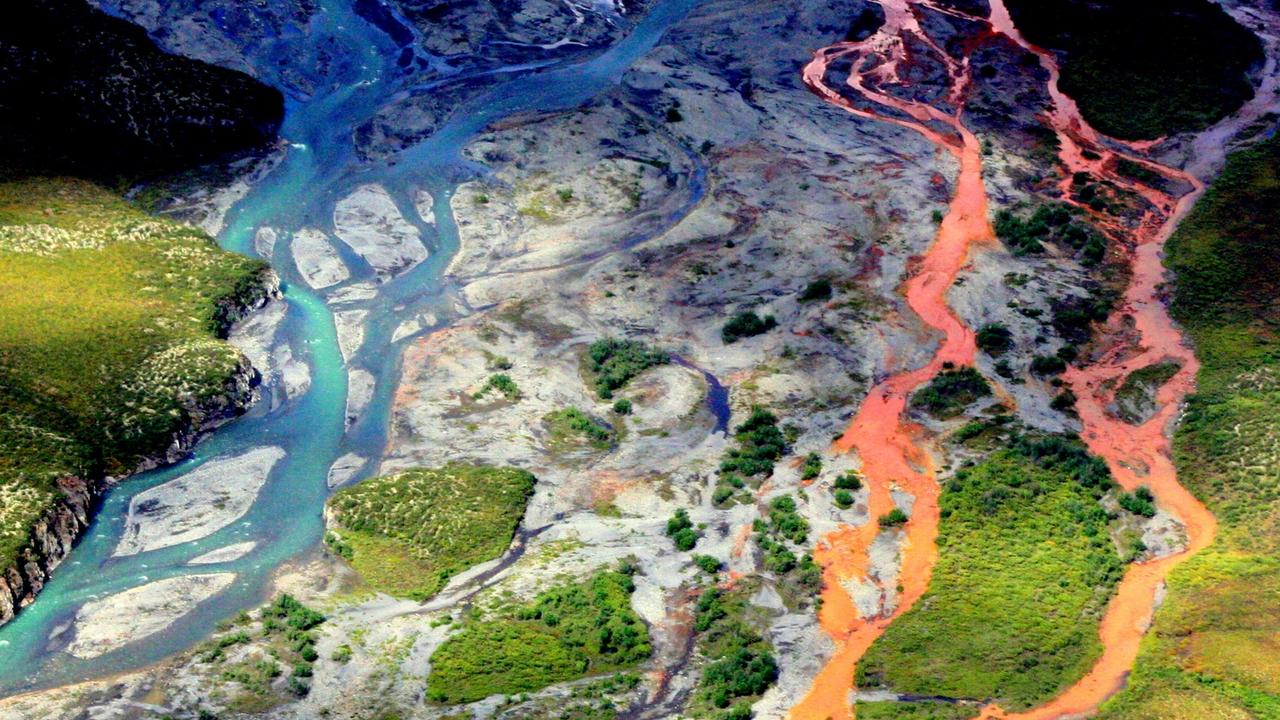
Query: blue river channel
x,y
354,64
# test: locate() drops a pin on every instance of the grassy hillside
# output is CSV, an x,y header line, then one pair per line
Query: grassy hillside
x,y
109,322
1145,68
1024,572
408,533
568,632
1212,650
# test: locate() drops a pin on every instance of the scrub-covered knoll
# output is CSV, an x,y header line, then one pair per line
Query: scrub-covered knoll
x,y
408,533
1145,68
1024,572
1212,649
109,326
568,632
613,363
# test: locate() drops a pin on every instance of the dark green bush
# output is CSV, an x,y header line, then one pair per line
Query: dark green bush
x,y
994,338
746,324
951,391
819,289
893,518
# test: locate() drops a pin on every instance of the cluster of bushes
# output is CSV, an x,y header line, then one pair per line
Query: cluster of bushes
x,y
811,467
951,391
1073,316
613,363
1139,502
681,531
742,666
568,632
759,445
785,525
287,628
819,289
1050,223
407,534
845,485
994,339
746,324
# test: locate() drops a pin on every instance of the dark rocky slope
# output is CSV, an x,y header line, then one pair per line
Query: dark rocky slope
x,y
85,93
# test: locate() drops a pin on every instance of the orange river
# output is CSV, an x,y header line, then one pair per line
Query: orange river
x,y
891,458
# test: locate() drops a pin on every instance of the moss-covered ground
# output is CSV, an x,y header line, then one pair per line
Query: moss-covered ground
x,y
407,534
109,325
571,631
1025,569
1212,651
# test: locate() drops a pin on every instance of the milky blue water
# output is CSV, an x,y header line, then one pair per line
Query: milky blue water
x,y
357,55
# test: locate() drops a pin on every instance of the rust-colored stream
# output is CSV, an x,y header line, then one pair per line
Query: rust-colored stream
x,y
1140,332
890,457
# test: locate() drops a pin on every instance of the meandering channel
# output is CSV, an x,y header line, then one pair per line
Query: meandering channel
x,y
891,458
345,89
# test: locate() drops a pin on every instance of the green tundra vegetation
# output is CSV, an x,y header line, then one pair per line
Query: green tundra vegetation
x,y
568,632
1212,649
407,534
613,363
1025,569
109,327
1145,68
741,665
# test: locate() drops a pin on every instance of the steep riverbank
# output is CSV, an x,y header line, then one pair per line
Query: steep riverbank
x,y
116,344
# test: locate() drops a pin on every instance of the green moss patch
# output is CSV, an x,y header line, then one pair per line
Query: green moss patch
x,y
407,534
1024,573
568,632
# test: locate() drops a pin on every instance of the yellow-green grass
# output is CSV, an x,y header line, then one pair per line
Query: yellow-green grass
x,y
568,632
408,533
1025,569
109,325
1213,648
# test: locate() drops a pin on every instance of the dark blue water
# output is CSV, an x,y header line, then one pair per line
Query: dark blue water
x,y
357,56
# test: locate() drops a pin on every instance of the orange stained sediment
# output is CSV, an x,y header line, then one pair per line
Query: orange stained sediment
x,y
1137,455
889,455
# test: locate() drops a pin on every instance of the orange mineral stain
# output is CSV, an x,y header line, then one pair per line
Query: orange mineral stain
x,y
890,457
1136,454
